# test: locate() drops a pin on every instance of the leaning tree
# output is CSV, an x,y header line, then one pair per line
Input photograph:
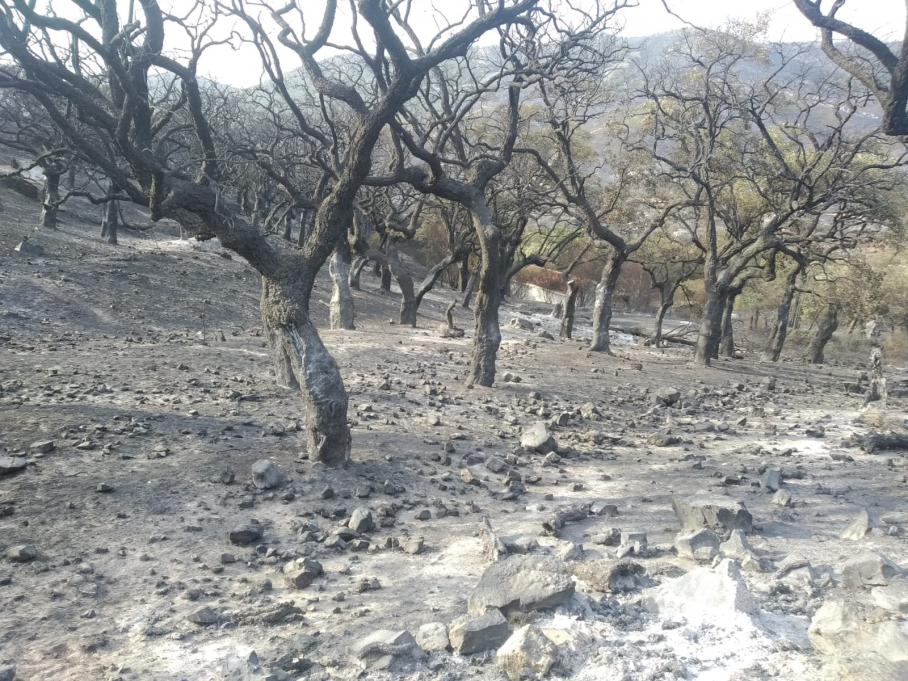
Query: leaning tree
x,y
123,57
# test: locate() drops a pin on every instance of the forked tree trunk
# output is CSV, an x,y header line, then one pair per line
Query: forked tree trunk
x,y
773,350
48,219
570,305
487,332
826,326
110,222
656,339
602,305
340,308
727,337
356,270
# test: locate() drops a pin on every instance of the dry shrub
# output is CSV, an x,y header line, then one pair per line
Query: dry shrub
x,y
542,277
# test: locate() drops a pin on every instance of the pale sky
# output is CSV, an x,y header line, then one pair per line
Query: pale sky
x,y
883,18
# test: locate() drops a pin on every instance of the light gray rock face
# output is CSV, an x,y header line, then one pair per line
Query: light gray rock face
x,y
527,654
22,553
893,597
610,576
739,548
538,438
266,475
381,650
242,535
771,479
860,526
433,637
700,545
668,396
703,594
474,634
522,324
847,625
361,520
523,583
868,569
713,512
7,672
12,464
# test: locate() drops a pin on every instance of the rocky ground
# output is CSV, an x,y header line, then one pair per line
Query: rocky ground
x,y
594,517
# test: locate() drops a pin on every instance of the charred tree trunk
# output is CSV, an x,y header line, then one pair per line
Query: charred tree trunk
x,y
288,226
110,222
602,306
656,339
570,305
877,391
773,350
826,326
341,312
434,274
356,270
711,324
408,304
464,273
487,332
471,285
727,338
302,361
385,274
49,204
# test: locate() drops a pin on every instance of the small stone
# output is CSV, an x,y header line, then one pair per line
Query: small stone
x,y
204,616
571,552
361,521
413,546
266,475
471,634
538,438
771,479
244,535
103,488
378,651
860,526
22,553
302,572
42,447
227,558
712,511
781,498
11,464
526,653
701,545
433,637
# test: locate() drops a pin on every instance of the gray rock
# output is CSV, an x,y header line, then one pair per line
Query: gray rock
x,y
527,654
542,333
379,650
361,521
204,616
474,634
847,625
433,637
668,396
522,324
538,438
523,583
26,247
632,543
703,594
771,479
11,464
781,498
414,546
42,447
7,672
601,508
860,526
893,597
739,548
22,553
246,534
302,572
712,511
868,569
609,576
700,545
266,475
571,552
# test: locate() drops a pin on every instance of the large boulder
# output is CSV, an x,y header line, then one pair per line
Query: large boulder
x,y
703,594
527,654
266,475
470,634
522,582
538,438
848,625
712,511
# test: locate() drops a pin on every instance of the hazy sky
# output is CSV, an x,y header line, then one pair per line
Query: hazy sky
x,y
884,18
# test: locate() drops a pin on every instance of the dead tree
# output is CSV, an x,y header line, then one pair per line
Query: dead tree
x,y
826,327
773,350
570,304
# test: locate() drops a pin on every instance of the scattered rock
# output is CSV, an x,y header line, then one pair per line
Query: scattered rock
x,y
739,548
302,572
668,396
860,526
42,447
22,553
527,654
701,545
474,634
11,464
893,597
523,583
522,324
266,475
379,650
204,616
712,511
246,534
781,498
771,479
538,438
868,569
433,637
361,521
844,625
703,593
610,576
26,247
